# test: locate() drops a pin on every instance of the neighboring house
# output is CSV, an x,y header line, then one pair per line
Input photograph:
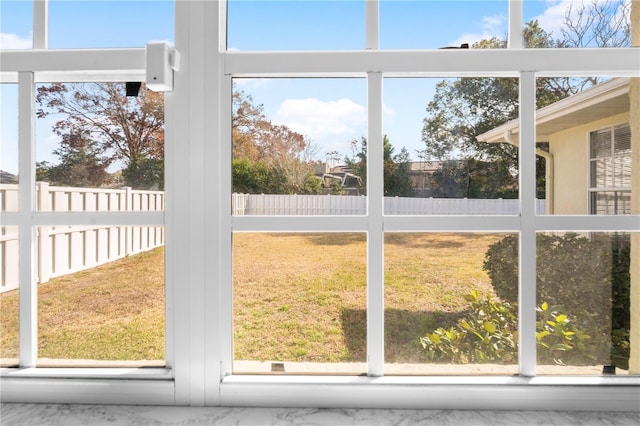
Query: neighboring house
x,y
589,150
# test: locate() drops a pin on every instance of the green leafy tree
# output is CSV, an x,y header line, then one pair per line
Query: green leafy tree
x,y
471,178
464,108
397,179
257,177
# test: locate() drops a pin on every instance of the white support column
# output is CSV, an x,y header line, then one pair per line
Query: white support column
x,y
28,300
515,39
192,263
40,24
375,238
527,252
372,24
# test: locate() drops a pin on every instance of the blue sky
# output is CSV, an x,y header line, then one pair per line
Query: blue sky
x,y
330,112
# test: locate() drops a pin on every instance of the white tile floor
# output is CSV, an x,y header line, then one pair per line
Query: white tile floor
x,y
87,415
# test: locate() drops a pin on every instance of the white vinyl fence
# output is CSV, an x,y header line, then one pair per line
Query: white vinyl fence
x,y
63,250
310,205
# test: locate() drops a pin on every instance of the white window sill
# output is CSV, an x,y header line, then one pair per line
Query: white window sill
x,y
138,373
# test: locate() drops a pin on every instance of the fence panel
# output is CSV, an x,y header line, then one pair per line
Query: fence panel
x,y
63,250
301,205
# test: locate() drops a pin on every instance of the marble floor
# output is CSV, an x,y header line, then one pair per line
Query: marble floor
x,y
87,415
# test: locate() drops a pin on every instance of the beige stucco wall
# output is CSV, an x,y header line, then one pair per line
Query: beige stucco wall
x,y
570,150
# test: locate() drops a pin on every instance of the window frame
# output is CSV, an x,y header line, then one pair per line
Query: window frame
x,y
611,155
198,224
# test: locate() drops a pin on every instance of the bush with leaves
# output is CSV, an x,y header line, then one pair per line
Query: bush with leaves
x,y
573,274
488,333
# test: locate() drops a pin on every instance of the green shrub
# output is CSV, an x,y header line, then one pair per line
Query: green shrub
x,y
573,274
488,333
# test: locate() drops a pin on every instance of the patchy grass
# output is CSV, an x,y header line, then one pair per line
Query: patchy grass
x,y
111,312
297,297
302,297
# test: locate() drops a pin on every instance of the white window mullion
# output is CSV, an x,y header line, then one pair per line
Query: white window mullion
x,y
375,238
225,282
28,300
372,24
40,24
515,39
527,252
217,205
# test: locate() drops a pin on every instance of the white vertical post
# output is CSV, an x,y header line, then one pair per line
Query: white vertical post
x,y
372,24
40,24
28,300
217,280
192,115
128,230
375,239
225,311
44,244
527,252
515,40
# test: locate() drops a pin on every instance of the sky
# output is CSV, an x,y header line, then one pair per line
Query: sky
x,y
329,112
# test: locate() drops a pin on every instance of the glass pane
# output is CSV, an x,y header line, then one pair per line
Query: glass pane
x,y
103,143
16,21
601,144
434,162
107,315
299,303
94,24
295,25
611,202
438,24
292,139
577,23
9,147
437,300
583,303
622,139
9,281
583,125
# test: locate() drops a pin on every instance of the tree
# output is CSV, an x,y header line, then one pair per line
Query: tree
x,y
464,108
81,163
470,178
397,180
269,146
125,129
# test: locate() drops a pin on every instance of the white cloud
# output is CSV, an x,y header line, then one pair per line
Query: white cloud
x,y
319,120
551,20
14,41
491,26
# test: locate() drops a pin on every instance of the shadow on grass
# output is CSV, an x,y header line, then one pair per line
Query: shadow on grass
x,y
402,330
329,238
431,241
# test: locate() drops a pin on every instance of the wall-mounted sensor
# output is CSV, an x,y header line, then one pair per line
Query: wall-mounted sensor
x,y
161,61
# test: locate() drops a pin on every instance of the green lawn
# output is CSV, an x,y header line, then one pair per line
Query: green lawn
x,y
297,297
